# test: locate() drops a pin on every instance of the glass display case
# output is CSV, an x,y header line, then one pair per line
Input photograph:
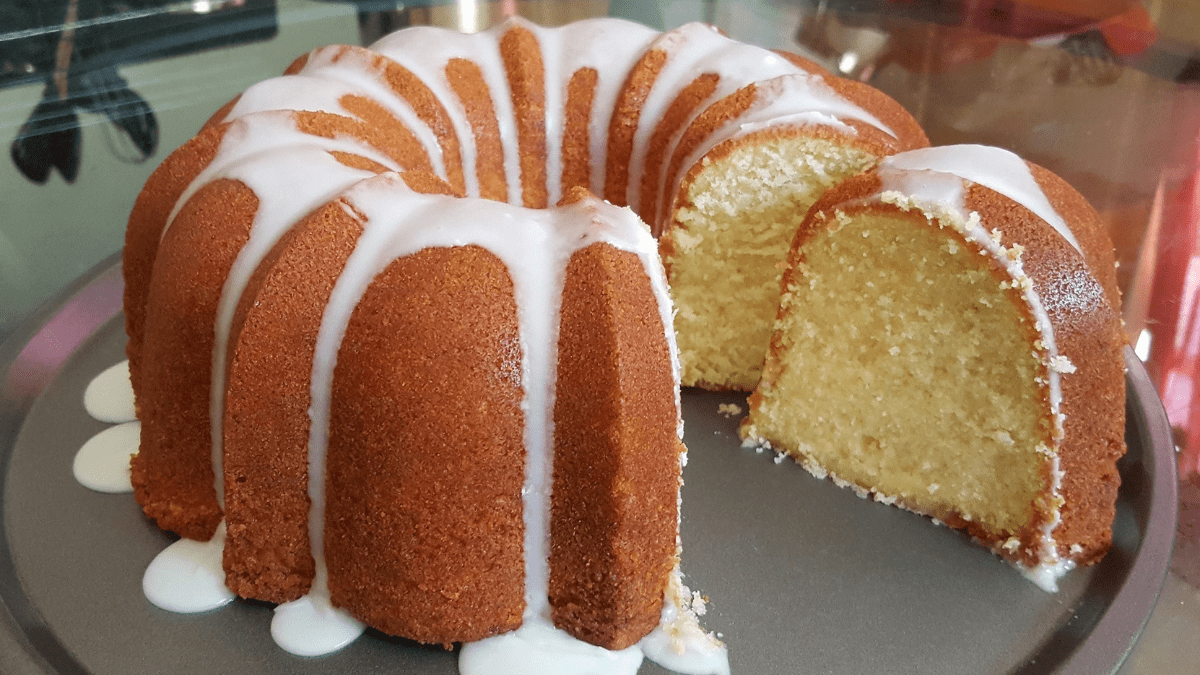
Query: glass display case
x,y
1105,93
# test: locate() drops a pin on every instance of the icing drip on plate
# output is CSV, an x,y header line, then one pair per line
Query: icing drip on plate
x,y
311,626
102,464
109,397
187,577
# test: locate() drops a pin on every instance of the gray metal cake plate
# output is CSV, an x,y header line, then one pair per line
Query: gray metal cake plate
x,y
803,577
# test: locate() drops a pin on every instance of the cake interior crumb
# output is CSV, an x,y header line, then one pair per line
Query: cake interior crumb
x,y
901,372
732,240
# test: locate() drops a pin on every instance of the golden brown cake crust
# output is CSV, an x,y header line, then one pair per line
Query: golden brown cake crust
x,y
424,529
908,132
803,63
1084,309
272,343
627,112
886,109
466,79
157,199
678,112
411,89
526,79
576,135
177,314
172,472
616,454
145,229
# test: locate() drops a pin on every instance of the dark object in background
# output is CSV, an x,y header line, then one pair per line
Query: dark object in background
x,y
75,47
104,92
51,136
120,32
49,139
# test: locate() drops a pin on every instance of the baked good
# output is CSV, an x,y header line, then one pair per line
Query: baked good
x,y
440,315
738,179
293,380
949,340
356,481
718,145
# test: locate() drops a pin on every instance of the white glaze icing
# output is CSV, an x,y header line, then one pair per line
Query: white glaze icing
x,y
102,464
311,626
537,647
610,47
289,185
678,643
109,397
291,173
991,167
787,92
695,49
685,648
321,86
186,577
425,50
535,245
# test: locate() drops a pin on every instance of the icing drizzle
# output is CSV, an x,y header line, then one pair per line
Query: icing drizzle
x,y
991,167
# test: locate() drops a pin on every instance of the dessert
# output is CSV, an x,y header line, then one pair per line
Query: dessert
x,y
949,340
391,211
391,356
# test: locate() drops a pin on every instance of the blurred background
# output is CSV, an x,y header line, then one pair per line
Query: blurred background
x,y
1106,93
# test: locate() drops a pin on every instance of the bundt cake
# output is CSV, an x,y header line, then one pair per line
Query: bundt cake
x,y
949,340
370,435
392,356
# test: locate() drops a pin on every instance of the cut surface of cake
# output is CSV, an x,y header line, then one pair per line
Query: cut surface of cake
x,y
777,145
949,340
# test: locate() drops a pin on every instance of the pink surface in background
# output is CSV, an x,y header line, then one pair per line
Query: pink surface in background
x,y
1174,324
1174,319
